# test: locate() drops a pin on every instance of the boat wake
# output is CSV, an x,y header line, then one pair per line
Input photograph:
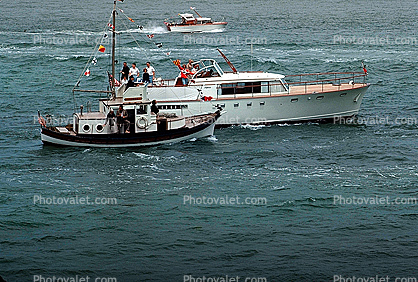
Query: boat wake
x,y
147,30
252,127
212,138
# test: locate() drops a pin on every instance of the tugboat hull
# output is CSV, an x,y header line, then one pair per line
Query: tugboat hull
x,y
49,136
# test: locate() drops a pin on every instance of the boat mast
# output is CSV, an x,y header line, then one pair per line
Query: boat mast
x,y
194,9
113,48
234,70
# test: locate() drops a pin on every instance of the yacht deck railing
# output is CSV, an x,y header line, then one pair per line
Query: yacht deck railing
x,y
334,78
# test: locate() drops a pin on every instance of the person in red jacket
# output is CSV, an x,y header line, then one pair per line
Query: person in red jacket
x,y
184,72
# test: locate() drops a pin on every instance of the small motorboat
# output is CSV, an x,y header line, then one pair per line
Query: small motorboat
x,y
190,23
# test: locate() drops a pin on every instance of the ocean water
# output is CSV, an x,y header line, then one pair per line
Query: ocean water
x,y
299,232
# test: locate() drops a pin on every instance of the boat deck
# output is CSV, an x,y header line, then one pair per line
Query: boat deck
x,y
322,88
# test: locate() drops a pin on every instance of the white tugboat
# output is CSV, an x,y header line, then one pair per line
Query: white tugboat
x,y
190,23
138,122
262,97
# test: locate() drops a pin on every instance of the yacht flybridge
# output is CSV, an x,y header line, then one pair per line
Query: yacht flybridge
x,y
257,97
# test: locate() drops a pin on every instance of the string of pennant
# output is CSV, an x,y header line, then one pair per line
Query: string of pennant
x,y
102,49
150,36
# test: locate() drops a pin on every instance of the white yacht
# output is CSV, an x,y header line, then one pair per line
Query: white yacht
x,y
190,23
261,97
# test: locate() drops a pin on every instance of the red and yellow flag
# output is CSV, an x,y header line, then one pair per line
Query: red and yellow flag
x,y
102,48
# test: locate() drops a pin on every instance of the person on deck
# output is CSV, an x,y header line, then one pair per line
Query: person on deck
x,y
145,77
134,71
195,68
122,119
190,65
125,71
184,72
110,118
151,72
131,82
124,80
154,108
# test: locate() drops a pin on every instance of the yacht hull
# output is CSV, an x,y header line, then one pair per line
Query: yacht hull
x,y
268,109
196,27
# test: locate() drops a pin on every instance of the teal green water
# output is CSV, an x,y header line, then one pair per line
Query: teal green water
x,y
300,234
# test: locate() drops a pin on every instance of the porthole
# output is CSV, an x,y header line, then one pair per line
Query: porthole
x,y
262,103
236,105
343,94
294,100
99,128
249,104
319,97
86,128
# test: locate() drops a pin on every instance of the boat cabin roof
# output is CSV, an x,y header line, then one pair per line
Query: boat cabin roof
x,y
203,19
210,71
188,17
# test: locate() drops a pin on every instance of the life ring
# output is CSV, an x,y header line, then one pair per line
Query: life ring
x,y
140,124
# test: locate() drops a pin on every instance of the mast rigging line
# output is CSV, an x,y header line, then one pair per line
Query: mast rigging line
x,y
89,61
166,54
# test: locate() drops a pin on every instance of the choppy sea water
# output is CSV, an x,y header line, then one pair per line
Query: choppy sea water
x,y
155,232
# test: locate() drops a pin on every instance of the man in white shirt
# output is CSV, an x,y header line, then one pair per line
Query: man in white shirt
x,y
151,72
134,71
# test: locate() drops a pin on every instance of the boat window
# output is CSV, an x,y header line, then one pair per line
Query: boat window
x,y
249,104
264,87
319,97
228,88
244,88
236,105
210,71
262,103
277,86
218,68
294,100
141,110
